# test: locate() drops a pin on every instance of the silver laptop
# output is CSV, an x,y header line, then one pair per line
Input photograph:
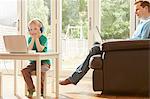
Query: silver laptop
x,y
98,37
15,43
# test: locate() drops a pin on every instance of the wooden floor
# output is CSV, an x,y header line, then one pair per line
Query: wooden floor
x,y
81,91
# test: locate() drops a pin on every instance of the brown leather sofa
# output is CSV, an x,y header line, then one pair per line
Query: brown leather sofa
x,y
123,68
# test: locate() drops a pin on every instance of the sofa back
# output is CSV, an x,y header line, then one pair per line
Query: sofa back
x,y
126,45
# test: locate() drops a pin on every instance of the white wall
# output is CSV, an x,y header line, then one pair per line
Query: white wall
x,y
8,12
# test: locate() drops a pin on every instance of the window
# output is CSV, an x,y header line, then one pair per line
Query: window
x,y
8,26
39,9
115,19
74,33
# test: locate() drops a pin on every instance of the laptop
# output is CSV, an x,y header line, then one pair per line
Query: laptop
x,y
15,43
98,36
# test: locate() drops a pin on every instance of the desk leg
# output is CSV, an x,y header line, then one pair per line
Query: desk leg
x,y
15,78
38,72
57,78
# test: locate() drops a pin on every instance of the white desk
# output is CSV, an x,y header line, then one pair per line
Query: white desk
x,y
37,57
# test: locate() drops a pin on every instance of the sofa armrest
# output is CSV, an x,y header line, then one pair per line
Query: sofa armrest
x,y
126,45
95,62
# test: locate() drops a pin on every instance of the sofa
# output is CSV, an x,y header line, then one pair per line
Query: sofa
x,y
122,68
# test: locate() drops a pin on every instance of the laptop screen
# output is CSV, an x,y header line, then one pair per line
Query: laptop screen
x,y
15,43
98,36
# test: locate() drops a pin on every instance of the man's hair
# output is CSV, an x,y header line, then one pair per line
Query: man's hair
x,y
143,4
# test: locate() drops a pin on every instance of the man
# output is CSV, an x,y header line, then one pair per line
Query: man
x,y
142,32
143,12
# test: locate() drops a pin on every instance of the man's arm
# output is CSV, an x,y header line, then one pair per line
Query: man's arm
x,y
146,31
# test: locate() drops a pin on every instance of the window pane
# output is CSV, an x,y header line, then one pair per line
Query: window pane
x,y
115,19
8,20
74,32
40,9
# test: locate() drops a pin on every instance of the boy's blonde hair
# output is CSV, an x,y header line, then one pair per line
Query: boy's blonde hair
x,y
36,22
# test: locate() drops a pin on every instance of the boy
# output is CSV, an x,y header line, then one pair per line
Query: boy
x,y
37,42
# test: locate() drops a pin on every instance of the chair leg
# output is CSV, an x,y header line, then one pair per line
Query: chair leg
x,y
52,84
53,79
1,85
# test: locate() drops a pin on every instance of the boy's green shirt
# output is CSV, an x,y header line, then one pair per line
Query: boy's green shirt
x,y
43,41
